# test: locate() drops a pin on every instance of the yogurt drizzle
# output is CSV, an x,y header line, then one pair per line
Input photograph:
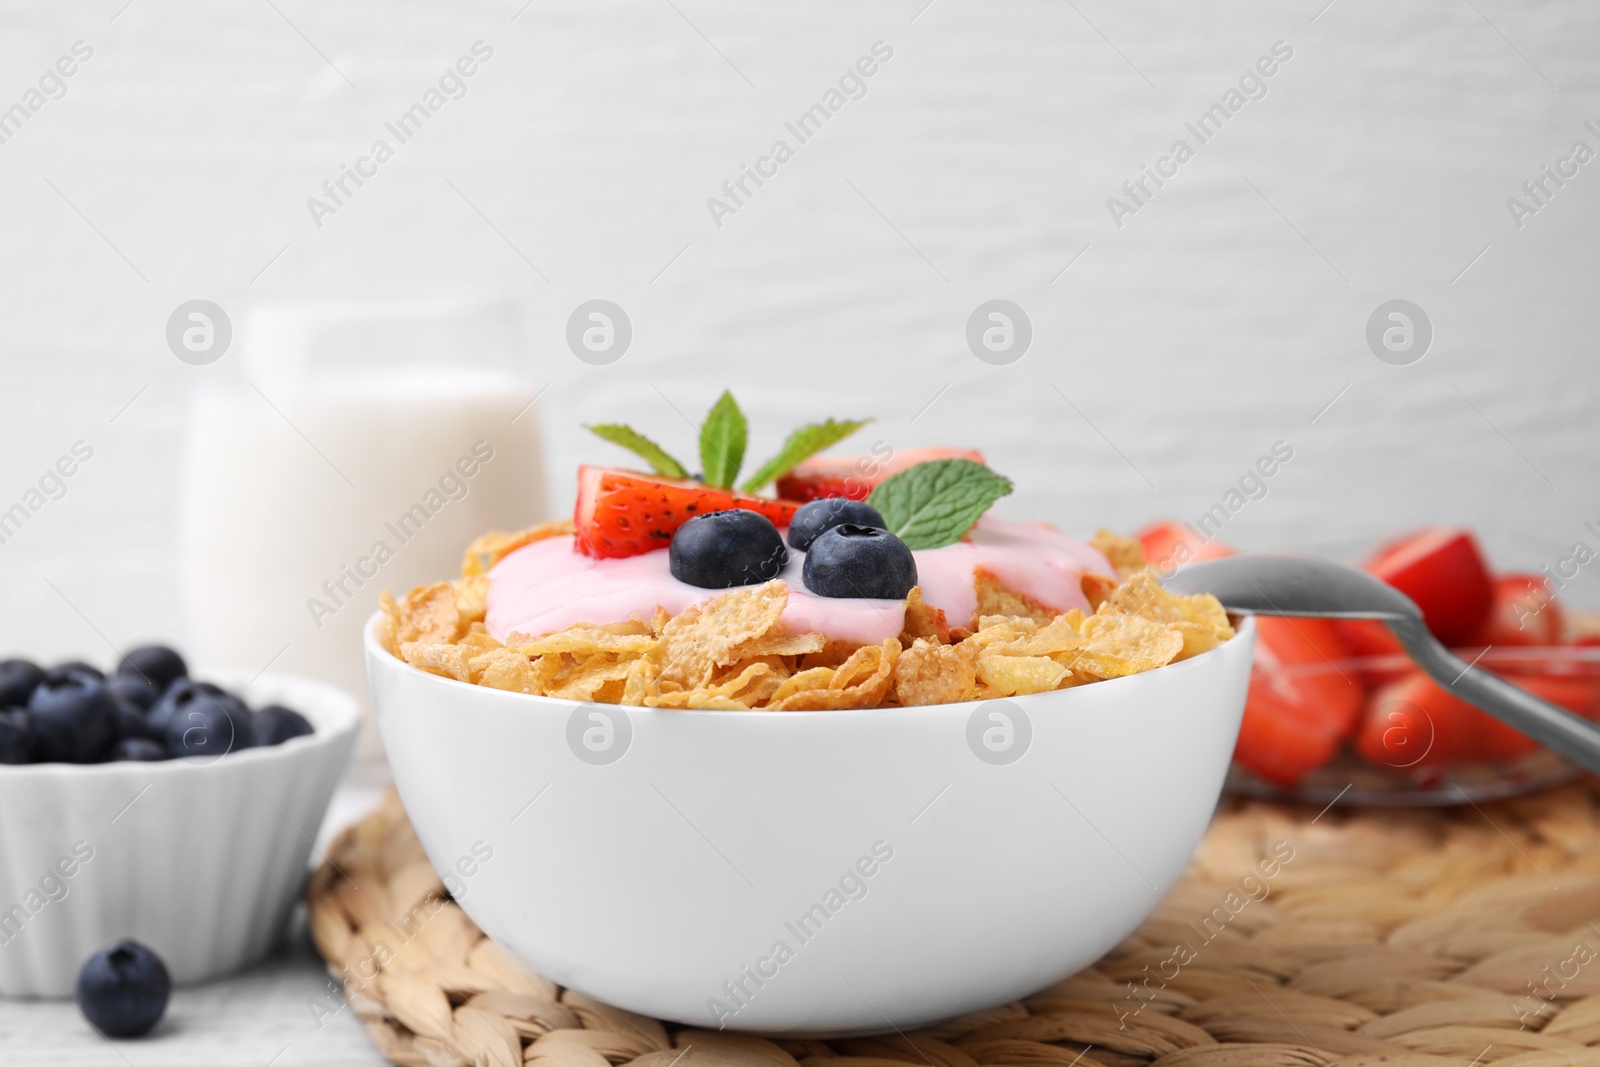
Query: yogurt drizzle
x,y
548,586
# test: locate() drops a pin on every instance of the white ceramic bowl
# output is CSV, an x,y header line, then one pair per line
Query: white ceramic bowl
x,y
648,857
200,861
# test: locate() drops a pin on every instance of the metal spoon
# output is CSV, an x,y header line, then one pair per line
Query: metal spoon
x,y
1317,588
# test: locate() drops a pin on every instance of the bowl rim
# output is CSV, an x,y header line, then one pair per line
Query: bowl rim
x,y
335,714
373,649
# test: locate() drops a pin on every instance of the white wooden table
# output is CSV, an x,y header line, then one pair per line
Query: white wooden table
x,y
255,1019
262,1017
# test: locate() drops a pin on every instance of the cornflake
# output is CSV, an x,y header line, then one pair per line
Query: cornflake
x,y
995,599
501,668
495,545
1019,675
923,622
1199,619
1125,555
931,673
428,615
861,681
1118,645
702,638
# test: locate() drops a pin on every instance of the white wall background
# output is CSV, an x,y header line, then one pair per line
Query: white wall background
x,y
1224,316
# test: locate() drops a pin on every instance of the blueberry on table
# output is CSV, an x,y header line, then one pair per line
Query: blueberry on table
x,y
16,736
123,989
209,725
18,678
275,724
138,750
819,516
722,549
135,688
159,664
859,561
74,720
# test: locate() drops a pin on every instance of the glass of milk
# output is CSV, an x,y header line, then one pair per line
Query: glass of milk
x,y
358,448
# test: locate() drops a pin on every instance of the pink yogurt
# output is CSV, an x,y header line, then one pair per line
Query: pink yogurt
x,y
549,586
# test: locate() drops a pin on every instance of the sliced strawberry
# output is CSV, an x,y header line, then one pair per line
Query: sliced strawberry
x,y
1380,656
1495,742
1308,658
1578,694
1300,706
1524,612
854,476
1442,570
1368,637
1280,738
1416,723
1169,545
626,513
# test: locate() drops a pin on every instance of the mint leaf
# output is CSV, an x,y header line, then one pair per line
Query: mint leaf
x,y
801,445
722,441
639,444
934,504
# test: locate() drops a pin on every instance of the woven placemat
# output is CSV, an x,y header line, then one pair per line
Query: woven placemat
x,y
1405,938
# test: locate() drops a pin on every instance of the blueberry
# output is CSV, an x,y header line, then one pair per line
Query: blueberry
x,y
209,726
123,989
18,677
175,699
859,561
138,750
74,720
722,549
160,665
248,725
75,668
275,724
819,516
135,688
16,736
132,720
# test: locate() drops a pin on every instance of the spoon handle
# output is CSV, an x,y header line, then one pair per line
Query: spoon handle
x,y
1576,738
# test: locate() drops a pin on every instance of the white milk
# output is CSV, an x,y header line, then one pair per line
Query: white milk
x,y
317,482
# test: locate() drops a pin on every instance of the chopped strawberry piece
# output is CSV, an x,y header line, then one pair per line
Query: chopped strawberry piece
x,y
855,476
1369,637
1417,722
1282,739
1524,612
627,513
1308,655
1577,693
1300,706
1169,545
1380,657
1441,569
1413,722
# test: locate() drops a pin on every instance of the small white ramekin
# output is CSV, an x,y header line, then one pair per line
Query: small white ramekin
x,y
200,861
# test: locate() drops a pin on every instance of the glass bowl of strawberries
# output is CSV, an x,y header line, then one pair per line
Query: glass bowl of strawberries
x,y
1337,711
